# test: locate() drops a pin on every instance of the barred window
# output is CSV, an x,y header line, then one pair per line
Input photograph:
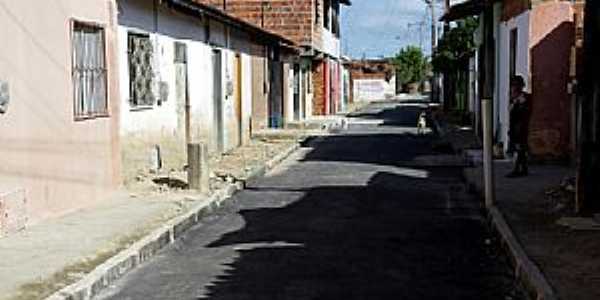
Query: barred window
x,y
89,71
141,71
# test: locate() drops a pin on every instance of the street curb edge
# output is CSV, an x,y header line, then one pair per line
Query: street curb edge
x,y
144,249
525,270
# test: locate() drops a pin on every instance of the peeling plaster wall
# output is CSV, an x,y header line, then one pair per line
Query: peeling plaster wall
x,y
163,124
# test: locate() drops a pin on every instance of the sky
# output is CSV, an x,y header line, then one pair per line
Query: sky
x,y
376,28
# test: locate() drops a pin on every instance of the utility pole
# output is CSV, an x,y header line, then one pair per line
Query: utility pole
x,y
420,25
487,96
447,88
431,4
434,79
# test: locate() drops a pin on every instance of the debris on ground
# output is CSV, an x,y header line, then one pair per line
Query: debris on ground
x,y
560,199
230,167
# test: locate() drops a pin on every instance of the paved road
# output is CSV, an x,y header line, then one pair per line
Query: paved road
x,y
371,213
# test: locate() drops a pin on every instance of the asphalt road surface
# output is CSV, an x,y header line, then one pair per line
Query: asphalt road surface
x,y
372,212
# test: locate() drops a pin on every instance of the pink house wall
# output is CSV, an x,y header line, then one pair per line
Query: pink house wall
x,y
62,164
552,35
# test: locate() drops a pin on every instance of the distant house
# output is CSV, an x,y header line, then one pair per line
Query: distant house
x,y
371,80
315,76
534,39
59,114
190,73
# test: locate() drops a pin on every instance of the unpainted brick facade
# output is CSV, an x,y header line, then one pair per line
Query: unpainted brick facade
x,y
292,19
302,22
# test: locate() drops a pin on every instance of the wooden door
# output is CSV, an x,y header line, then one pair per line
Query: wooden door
x,y
218,100
238,96
182,90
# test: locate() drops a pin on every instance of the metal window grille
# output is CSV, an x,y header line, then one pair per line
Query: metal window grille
x,y
141,71
89,71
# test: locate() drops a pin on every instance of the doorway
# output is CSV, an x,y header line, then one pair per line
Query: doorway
x,y
238,96
296,86
303,91
218,99
182,90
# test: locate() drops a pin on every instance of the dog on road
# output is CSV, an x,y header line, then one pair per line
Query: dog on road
x,y
422,123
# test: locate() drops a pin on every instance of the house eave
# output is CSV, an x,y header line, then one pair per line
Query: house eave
x,y
202,10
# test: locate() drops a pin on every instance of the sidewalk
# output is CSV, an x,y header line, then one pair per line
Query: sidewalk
x,y
52,255
532,206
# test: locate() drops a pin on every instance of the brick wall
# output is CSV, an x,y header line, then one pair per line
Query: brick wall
x,y
317,32
318,74
371,70
291,19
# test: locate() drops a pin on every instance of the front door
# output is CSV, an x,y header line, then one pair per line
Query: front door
x,y
304,89
182,90
238,96
218,99
276,94
296,87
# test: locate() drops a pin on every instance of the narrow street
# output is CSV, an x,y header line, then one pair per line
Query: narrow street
x,y
369,213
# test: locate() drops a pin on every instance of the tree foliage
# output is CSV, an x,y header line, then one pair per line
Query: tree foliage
x,y
411,64
455,46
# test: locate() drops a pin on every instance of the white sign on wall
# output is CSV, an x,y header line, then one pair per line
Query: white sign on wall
x,y
372,89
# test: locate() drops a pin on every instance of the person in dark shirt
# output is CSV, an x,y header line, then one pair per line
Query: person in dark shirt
x,y
518,134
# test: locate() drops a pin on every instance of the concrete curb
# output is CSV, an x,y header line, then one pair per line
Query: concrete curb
x,y
526,271
144,249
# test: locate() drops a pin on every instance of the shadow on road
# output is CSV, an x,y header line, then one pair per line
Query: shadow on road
x,y
352,220
394,238
397,236
403,114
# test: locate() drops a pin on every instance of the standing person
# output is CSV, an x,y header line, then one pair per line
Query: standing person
x,y
520,111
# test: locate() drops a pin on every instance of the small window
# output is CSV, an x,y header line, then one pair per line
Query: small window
x,y
89,71
326,14
335,27
141,70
